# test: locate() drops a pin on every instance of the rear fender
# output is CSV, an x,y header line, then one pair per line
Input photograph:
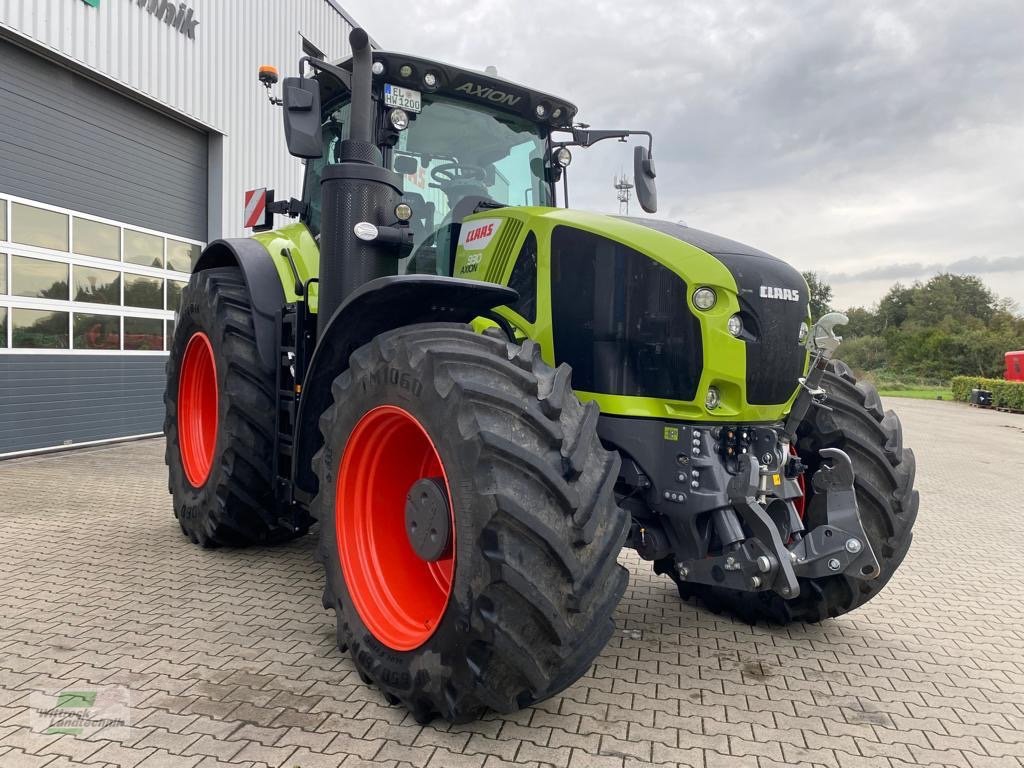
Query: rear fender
x,y
381,305
264,284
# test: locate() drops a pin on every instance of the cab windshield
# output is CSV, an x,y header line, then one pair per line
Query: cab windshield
x,y
454,158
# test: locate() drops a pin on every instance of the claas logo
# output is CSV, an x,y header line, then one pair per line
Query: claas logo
x,y
479,232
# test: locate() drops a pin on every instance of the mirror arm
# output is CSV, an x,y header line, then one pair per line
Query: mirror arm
x,y
339,74
586,138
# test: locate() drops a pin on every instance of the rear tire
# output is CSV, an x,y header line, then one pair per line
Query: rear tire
x,y
229,499
884,485
533,579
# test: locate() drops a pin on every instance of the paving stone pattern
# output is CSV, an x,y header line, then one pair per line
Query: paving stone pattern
x,y
231,661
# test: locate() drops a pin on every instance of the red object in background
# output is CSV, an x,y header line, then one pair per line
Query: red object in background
x,y
1015,366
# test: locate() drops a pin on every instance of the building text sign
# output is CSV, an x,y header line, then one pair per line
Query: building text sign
x,y
178,16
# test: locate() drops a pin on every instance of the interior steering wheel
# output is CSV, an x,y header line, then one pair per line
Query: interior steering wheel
x,y
448,173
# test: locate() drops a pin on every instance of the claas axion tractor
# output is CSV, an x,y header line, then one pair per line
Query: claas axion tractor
x,y
481,398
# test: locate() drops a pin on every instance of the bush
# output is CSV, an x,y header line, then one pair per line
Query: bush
x,y
1005,394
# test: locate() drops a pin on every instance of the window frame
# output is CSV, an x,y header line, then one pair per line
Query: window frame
x,y
71,260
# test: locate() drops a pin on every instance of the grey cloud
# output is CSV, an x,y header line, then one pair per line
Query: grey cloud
x,y
977,265
778,123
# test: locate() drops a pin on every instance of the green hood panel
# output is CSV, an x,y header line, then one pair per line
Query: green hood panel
x,y
725,357
305,253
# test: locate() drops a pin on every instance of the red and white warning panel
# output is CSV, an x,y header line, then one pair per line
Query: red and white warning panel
x,y
256,208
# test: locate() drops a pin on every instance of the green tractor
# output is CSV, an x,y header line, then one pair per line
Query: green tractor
x,y
482,398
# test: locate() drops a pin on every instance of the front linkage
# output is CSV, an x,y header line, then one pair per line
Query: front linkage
x,y
737,526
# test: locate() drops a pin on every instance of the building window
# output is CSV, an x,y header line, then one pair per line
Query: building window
x,y
144,249
39,329
39,227
93,238
143,333
74,295
97,286
96,331
174,289
140,291
38,278
182,256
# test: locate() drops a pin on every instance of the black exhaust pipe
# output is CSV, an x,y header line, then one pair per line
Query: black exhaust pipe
x,y
356,190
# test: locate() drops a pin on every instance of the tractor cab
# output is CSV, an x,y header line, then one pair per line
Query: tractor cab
x,y
462,142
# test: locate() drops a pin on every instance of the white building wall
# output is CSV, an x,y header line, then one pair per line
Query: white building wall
x,y
210,80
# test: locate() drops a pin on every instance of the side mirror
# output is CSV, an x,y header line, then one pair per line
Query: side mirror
x,y
302,117
643,178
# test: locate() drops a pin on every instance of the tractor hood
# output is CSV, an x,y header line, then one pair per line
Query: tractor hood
x,y
774,296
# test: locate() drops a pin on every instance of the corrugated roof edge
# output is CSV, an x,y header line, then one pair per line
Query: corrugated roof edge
x,y
348,17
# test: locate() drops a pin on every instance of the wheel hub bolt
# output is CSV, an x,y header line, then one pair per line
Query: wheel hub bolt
x,y
834,564
853,546
427,522
755,581
764,564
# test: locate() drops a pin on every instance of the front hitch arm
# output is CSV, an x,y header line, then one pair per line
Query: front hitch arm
x,y
840,545
743,490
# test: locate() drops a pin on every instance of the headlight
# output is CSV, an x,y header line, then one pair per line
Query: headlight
x,y
713,399
563,156
735,325
430,80
704,298
377,67
802,335
403,212
405,71
399,119
540,110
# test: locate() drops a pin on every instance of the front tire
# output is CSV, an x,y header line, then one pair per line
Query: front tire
x,y
884,470
220,405
520,601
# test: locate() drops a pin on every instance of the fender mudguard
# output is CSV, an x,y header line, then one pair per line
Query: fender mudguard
x,y
380,305
263,282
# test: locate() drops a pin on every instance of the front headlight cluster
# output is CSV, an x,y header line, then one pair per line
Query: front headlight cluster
x,y
705,298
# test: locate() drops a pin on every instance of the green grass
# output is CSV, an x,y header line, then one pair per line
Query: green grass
x,y
919,394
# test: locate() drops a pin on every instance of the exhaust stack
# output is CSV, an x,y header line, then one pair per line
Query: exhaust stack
x,y
356,190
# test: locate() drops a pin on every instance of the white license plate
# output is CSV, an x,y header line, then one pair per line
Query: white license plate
x,y
406,98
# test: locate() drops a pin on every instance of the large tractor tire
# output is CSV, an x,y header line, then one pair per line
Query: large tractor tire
x,y
469,530
220,417
855,422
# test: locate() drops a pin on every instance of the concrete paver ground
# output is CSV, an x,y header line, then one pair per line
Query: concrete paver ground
x,y
230,658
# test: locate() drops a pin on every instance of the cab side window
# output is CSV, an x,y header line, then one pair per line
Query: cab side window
x,y
524,279
334,128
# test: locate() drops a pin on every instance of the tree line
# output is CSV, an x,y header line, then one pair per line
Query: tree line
x,y
950,325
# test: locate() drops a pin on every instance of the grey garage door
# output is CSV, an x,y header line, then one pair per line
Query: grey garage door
x,y
69,142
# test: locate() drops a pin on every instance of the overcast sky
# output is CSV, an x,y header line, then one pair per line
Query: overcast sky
x,y
870,141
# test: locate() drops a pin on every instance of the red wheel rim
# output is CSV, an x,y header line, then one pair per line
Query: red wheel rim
x,y
197,409
399,596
